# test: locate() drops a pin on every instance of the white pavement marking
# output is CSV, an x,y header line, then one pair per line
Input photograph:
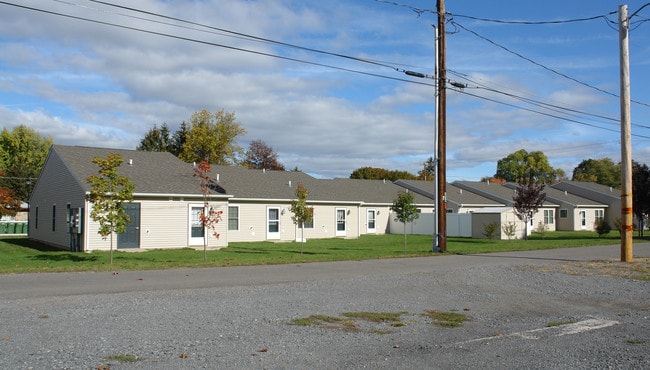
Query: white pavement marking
x,y
552,331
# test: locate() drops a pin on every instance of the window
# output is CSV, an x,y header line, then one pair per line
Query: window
x,y
372,217
195,222
54,217
564,213
36,218
309,224
549,217
600,215
233,218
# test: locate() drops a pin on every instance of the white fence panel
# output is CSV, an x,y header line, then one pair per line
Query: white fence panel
x,y
457,225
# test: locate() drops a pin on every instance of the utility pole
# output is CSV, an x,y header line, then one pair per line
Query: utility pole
x,y
441,178
626,145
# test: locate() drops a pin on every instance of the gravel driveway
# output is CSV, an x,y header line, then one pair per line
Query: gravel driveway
x,y
240,317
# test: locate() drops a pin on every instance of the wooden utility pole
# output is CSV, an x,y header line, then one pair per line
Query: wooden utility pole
x,y
441,178
626,146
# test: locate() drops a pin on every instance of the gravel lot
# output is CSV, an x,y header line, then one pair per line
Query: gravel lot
x,y
239,318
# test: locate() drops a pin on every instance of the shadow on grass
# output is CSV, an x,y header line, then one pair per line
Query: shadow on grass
x,y
267,251
64,256
31,244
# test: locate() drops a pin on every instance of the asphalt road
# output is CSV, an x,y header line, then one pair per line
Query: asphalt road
x,y
239,317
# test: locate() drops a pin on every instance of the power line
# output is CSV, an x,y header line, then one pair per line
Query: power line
x,y
240,34
182,38
562,21
542,113
541,65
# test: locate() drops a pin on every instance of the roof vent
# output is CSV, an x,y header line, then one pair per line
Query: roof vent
x,y
460,191
289,183
130,162
263,170
218,177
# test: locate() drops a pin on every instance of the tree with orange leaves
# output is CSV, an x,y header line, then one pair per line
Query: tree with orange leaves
x,y
209,217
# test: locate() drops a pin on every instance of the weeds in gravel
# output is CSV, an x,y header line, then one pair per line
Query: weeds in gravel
x,y
639,269
352,321
560,323
635,341
446,319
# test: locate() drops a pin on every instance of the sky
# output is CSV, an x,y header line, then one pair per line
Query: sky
x,y
323,82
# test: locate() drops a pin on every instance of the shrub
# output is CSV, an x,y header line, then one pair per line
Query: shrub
x,y
490,230
510,229
602,227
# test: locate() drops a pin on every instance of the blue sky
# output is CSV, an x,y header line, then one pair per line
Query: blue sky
x,y
87,83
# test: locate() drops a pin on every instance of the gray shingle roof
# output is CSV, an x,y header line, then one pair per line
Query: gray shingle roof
x,y
152,172
161,173
496,192
454,194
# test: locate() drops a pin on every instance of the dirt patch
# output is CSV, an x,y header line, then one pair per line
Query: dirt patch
x,y
639,269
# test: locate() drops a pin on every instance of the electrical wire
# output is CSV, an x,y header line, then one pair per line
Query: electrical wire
x,y
555,108
543,66
219,45
461,91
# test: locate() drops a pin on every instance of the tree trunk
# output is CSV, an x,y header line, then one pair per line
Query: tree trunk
x,y
404,235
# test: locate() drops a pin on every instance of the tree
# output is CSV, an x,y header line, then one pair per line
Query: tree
x,y
373,173
640,193
529,197
524,166
428,171
9,202
301,212
261,156
178,139
209,217
212,137
22,155
156,140
602,171
405,210
109,192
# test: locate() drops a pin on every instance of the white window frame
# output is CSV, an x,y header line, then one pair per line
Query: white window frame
x,y
599,214
273,235
338,222
192,222
236,219
549,217
371,221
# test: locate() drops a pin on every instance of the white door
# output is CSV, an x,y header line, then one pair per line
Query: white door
x,y
197,231
371,221
583,220
340,221
273,223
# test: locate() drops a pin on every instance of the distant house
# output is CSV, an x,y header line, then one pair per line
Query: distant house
x,y
607,196
505,193
168,201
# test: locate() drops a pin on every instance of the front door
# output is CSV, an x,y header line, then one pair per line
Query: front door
x,y
583,220
130,238
273,223
340,221
371,219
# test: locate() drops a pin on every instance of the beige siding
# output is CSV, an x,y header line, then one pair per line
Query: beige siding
x,y
163,224
55,187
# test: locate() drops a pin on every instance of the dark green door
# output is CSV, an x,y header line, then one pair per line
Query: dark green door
x,y
131,237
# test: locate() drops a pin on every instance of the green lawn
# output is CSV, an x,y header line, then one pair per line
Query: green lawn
x,y
20,255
